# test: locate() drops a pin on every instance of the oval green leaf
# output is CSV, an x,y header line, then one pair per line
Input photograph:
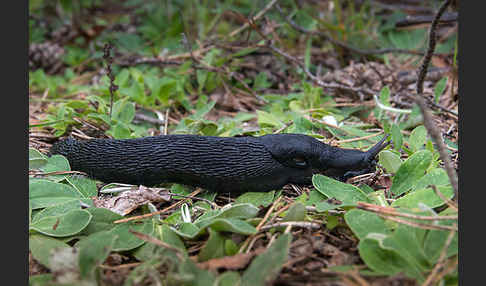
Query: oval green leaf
x,y
363,223
45,193
390,161
63,225
346,193
36,159
424,196
410,172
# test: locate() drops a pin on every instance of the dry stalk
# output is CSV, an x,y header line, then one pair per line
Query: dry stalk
x,y
419,99
265,218
433,276
420,225
197,191
392,212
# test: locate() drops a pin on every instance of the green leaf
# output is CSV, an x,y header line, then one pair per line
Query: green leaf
x,y
325,206
297,212
171,238
230,247
163,232
40,279
241,211
36,159
332,222
390,161
406,242
439,89
43,246
397,137
102,219
346,193
44,193
127,240
188,230
229,278
63,225
85,186
257,198
233,225
435,242
93,250
201,112
266,266
315,197
410,172
436,176
200,277
381,259
427,197
417,139
213,248
120,131
57,210
56,163
268,119
202,76
363,223
385,95
307,55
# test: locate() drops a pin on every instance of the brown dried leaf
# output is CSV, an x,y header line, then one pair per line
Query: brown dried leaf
x,y
128,201
237,261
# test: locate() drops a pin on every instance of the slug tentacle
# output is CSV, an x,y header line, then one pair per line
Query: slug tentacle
x,y
221,164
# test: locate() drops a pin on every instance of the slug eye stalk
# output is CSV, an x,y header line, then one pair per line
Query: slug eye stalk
x,y
343,164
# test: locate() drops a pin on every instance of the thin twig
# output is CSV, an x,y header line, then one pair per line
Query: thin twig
x,y
433,275
359,138
264,219
315,79
303,224
345,45
419,225
61,173
215,206
157,212
257,16
120,267
158,242
392,212
109,61
419,99
437,138
431,47
449,202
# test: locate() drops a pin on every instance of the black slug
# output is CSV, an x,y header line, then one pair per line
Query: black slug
x,y
221,164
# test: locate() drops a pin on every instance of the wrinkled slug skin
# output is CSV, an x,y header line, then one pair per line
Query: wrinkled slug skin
x,y
221,164
233,164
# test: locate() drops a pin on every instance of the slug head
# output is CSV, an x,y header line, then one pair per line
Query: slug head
x,y
346,163
302,152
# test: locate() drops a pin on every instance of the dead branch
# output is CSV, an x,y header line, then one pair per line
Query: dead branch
x,y
419,99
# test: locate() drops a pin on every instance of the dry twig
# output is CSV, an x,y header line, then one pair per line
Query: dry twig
x,y
303,224
109,61
153,240
392,212
419,99
265,218
158,212
433,276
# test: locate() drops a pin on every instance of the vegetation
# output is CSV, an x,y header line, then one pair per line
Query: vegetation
x,y
340,71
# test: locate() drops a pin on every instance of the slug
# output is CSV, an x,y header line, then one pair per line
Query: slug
x,y
220,164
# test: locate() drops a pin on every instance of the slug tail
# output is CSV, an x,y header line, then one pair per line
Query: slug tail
x,y
64,147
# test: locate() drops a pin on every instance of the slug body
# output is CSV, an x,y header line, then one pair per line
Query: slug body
x,y
221,164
